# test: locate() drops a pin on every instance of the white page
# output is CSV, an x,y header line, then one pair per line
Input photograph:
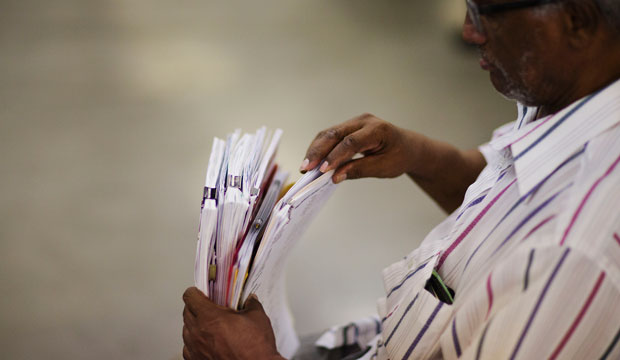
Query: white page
x,y
208,223
208,215
266,278
267,158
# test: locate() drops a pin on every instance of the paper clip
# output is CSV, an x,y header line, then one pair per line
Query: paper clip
x,y
234,181
209,193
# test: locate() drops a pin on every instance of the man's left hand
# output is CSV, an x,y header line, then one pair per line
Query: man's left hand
x,y
214,332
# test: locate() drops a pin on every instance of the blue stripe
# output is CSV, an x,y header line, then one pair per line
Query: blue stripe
x,y
455,338
529,217
423,331
538,303
555,126
527,270
504,172
573,157
475,202
611,346
401,319
481,342
522,117
406,278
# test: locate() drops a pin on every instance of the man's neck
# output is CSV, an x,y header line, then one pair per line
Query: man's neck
x,y
594,73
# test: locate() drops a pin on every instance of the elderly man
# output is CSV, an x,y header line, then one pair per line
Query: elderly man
x,y
531,250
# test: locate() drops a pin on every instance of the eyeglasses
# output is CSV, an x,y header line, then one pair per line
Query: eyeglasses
x,y
474,10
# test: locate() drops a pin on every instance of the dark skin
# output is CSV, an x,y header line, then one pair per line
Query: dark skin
x,y
440,169
547,59
215,332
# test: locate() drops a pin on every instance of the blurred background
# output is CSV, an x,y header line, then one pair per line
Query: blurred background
x,y
107,113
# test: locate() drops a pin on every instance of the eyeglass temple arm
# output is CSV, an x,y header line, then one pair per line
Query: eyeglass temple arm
x,y
495,8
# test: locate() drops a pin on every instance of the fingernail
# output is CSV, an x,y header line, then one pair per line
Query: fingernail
x,y
340,178
304,164
324,167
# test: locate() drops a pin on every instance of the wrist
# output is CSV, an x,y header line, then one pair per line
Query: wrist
x,y
421,156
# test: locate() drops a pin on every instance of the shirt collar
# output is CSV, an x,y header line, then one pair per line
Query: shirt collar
x,y
539,147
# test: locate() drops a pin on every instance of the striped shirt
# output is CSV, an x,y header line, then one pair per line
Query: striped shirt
x,y
533,253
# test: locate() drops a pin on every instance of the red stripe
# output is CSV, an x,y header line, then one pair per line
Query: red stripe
x,y
391,312
617,238
583,202
538,227
471,226
529,132
489,294
577,320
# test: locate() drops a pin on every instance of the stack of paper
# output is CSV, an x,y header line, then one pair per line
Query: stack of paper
x,y
248,228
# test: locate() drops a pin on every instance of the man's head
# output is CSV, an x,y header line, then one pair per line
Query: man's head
x,y
547,53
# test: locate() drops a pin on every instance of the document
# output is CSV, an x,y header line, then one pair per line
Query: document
x,y
247,231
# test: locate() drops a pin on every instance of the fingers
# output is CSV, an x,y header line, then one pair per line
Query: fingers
x,y
189,319
361,141
327,139
186,342
198,304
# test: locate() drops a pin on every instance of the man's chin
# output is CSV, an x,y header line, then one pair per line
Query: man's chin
x,y
509,90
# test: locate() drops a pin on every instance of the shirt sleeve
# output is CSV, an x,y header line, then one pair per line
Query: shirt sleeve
x,y
546,303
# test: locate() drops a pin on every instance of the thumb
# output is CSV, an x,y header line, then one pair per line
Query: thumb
x,y
252,304
367,166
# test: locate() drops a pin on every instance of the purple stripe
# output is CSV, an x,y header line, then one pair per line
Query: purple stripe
x,y
573,157
406,278
529,217
423,331
475,202
471,226
401,318
611,346
504,172
555,126
538,303
455,338
481,342
531,130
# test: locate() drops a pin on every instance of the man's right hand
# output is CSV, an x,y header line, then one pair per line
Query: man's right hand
x,y
441,170
388,151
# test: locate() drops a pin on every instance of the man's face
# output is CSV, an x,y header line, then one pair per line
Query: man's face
x,y
521,49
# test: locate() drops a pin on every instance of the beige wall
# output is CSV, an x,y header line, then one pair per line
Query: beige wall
x,y
107,111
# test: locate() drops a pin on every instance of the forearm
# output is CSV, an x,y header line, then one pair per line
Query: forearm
x,y
443,171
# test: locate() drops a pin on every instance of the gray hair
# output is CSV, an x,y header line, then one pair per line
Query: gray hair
x,y
611,11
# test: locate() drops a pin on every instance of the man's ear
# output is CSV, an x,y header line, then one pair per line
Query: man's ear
x,y
582,19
